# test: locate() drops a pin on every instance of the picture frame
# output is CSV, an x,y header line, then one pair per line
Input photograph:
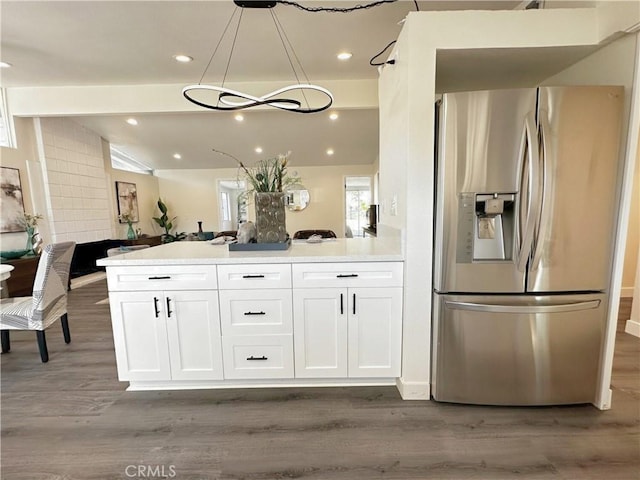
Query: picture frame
x,y
127,195
11,201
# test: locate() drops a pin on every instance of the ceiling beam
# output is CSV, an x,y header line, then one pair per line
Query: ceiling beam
x,y
159,98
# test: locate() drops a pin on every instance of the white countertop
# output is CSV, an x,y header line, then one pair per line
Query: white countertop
x,y
203,253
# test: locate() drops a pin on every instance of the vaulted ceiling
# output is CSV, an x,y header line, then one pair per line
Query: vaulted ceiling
x,y
131,44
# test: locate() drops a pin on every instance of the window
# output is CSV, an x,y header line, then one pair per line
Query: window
x,y
7,138
226,210
357,201
122,161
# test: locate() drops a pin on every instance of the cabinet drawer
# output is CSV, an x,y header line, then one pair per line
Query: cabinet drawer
x,y
242,277
162,277
256,312
260,356
370,274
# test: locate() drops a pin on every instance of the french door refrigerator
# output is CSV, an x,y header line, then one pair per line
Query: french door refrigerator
x,y
526,202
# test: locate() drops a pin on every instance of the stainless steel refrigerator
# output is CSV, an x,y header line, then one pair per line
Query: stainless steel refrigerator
x,y
526,208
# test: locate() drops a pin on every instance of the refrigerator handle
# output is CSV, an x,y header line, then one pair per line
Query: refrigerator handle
x,y
545,202
532,171
522,309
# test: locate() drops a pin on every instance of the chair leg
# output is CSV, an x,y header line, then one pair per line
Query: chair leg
x,y
42,346
6,344
65,328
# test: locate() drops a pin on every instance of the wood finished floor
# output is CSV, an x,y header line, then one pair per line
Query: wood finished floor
x,y
72,419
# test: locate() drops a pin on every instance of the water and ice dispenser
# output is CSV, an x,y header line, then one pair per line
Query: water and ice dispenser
x,y
486,227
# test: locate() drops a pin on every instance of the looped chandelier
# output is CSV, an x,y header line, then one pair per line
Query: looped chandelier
x,y
227,99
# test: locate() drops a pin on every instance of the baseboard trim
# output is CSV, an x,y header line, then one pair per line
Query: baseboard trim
x,y
632,327
151,385
626,292
413,390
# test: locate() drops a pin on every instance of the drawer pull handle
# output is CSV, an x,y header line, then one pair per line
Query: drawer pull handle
x,y
155,305
160,278
253,276
257,358
254,313
347,275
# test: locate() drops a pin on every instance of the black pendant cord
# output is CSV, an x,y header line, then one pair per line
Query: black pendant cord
x,y
233,45
281,32
217,46
335,9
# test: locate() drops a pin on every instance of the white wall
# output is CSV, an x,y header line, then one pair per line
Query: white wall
x,y
73,173
18,157
148,194
66,175
191,195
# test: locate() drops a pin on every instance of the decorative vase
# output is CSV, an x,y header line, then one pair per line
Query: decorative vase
x,y
131,234
270,217
30,234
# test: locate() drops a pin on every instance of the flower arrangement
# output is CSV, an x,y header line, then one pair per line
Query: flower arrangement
x,y
30,221
269,175
126,218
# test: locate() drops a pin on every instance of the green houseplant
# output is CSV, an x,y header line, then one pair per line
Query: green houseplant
x,y
30,222
165,222
269,175
267,180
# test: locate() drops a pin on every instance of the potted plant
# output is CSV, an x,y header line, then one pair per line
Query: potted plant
x,y
165,222
30,222
128,219
267,179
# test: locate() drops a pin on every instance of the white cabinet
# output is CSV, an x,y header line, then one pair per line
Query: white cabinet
x,y
320,323
140,336
342,329
195,325
257,324
258,356
375,332
162,335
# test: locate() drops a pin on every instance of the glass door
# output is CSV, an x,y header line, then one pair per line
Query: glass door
x,y
357,201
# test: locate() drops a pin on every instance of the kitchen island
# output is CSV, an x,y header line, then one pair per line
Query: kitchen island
x,y
195,315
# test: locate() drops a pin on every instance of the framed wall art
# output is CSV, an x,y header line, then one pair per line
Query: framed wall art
x,y
11,201
127,201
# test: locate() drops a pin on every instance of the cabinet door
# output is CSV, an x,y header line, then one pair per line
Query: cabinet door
x,y
140,335
193,326
320,332
375,332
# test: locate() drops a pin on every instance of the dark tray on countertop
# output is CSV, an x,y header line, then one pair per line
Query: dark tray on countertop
x,y
257,247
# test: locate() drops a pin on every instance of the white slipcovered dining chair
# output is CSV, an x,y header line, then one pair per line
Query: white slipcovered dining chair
x,y
48,302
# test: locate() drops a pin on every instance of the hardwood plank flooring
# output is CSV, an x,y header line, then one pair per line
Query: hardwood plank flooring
x,y
71,419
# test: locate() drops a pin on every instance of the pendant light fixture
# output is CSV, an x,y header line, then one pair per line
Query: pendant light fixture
x,y
220,97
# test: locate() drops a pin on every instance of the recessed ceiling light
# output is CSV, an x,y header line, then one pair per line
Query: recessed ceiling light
x,y
258,149
132,121
183,58
333,116
239,117
330,151
177,156
344,55
4,65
